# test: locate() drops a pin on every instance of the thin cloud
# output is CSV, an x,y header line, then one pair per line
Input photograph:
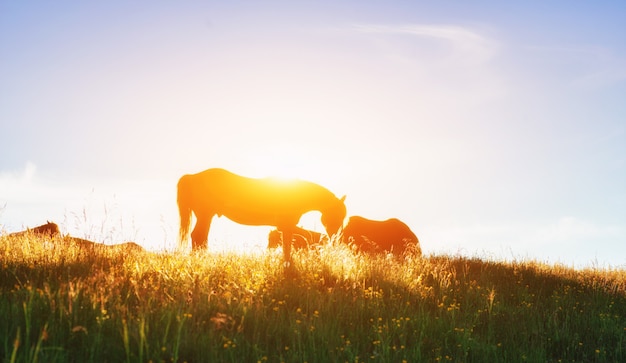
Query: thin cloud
x,y
17,179
474,46
24,176
26,185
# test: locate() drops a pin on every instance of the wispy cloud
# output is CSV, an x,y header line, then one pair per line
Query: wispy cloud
x,y
442,63
473,45
25,175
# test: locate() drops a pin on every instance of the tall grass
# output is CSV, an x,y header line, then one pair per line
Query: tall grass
x,y
63,303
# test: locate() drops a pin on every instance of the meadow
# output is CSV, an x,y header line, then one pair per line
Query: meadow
x,y
64,303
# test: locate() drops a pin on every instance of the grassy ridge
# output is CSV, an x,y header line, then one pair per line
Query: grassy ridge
x,y
64,303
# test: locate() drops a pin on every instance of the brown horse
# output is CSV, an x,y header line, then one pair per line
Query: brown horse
x,y
301,238
257,202
49,229
373,237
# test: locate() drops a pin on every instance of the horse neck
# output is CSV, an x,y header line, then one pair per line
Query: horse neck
x,y
325,201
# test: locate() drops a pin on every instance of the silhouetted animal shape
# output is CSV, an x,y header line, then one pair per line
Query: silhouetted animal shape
x,y
371,236
84,243
257,202
49,229
301,238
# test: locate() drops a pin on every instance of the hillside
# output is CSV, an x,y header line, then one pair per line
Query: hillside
x,y
61,302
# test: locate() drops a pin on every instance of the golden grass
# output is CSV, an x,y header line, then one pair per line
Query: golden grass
x,y
66,303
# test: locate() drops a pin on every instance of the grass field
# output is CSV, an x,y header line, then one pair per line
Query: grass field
x,y
64,303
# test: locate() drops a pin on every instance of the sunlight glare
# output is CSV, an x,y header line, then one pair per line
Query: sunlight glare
x,y
292,163
283,167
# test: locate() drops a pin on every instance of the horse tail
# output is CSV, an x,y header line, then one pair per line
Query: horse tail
x,y
184,199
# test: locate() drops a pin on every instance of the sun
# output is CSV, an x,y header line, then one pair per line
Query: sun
x,y
284,166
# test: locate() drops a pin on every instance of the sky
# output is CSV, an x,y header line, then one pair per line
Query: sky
x,y
493,129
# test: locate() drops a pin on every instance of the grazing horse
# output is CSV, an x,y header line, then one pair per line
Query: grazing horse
x,y
49,229
372,236
301,238
257,202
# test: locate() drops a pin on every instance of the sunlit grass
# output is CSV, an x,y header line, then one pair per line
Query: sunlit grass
x,y
63,303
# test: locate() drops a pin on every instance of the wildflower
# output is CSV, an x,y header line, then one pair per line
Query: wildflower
x,y
78,328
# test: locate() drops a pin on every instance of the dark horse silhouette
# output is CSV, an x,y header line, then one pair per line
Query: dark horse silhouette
x,y
258,202
301,238
373,237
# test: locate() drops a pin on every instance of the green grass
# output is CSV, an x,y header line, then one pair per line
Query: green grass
x,y
60,303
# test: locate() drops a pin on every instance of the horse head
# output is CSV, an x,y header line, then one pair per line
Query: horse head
x,y
50,229
333,217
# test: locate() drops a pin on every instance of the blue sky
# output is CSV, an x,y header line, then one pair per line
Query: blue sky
x,y
492,129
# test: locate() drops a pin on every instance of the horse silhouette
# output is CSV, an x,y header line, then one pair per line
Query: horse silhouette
x,y
300,238
257,202
49,229
373,237
87,244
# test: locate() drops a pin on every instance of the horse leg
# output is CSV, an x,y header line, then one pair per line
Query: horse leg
x,y
200,233
287,237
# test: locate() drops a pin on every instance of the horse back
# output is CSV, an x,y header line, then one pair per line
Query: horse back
x,y
391,235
